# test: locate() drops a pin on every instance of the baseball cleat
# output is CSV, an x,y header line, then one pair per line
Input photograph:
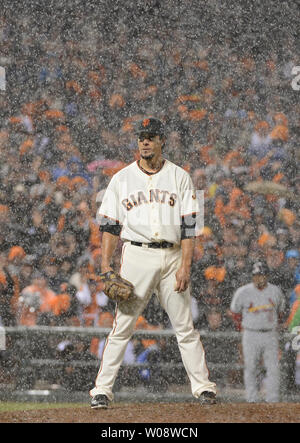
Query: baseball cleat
x,y
100,401
207,398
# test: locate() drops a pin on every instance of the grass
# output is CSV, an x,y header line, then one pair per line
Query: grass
x,y
17,406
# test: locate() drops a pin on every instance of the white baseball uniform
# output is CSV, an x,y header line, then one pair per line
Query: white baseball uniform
x,y
149,209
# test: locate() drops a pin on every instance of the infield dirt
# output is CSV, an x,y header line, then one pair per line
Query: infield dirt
x,y
162,413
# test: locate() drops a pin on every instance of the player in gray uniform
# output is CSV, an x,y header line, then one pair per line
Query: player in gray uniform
x,y
260,305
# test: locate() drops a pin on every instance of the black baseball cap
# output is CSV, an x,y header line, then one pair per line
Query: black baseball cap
x,y
260,267
150,125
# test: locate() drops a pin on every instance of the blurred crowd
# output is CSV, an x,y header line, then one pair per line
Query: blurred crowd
x,y
76,85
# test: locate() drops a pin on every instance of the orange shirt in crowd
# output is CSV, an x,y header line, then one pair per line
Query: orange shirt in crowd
x,y
60,303
47,296
27,315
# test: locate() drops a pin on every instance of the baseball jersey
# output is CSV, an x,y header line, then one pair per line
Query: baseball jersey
x,y
150,207
259,309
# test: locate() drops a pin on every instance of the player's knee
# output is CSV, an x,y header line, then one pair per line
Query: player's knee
x,y
273,371
250,367
121,334
186,335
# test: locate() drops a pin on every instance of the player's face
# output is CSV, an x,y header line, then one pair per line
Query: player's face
x,y
260,280
150,146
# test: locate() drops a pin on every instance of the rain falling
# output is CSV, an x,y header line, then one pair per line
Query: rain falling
x,y
76,80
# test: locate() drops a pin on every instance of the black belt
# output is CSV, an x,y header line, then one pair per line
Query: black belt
x,y
163,244
259,330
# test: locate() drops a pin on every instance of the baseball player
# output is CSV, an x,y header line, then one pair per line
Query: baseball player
x,y
260,305
151,204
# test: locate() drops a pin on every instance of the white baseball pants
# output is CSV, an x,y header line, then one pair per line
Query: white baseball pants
x,y
152,270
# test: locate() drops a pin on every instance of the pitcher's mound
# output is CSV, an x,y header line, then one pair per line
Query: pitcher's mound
x,y
162,413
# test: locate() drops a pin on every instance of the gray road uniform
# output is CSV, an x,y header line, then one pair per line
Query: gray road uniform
x,y
259,309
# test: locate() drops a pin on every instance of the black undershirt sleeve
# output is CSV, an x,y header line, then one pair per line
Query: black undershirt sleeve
x,y
188,226
109,225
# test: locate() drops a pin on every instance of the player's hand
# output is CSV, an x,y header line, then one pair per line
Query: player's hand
x,y
182,279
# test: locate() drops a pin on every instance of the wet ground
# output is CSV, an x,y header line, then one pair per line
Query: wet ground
x,y
162,413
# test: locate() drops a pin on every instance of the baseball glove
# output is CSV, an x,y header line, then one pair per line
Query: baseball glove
x,y
116,287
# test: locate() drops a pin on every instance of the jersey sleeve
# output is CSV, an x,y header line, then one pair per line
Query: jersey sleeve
x,y
189,209
109,214
236,305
